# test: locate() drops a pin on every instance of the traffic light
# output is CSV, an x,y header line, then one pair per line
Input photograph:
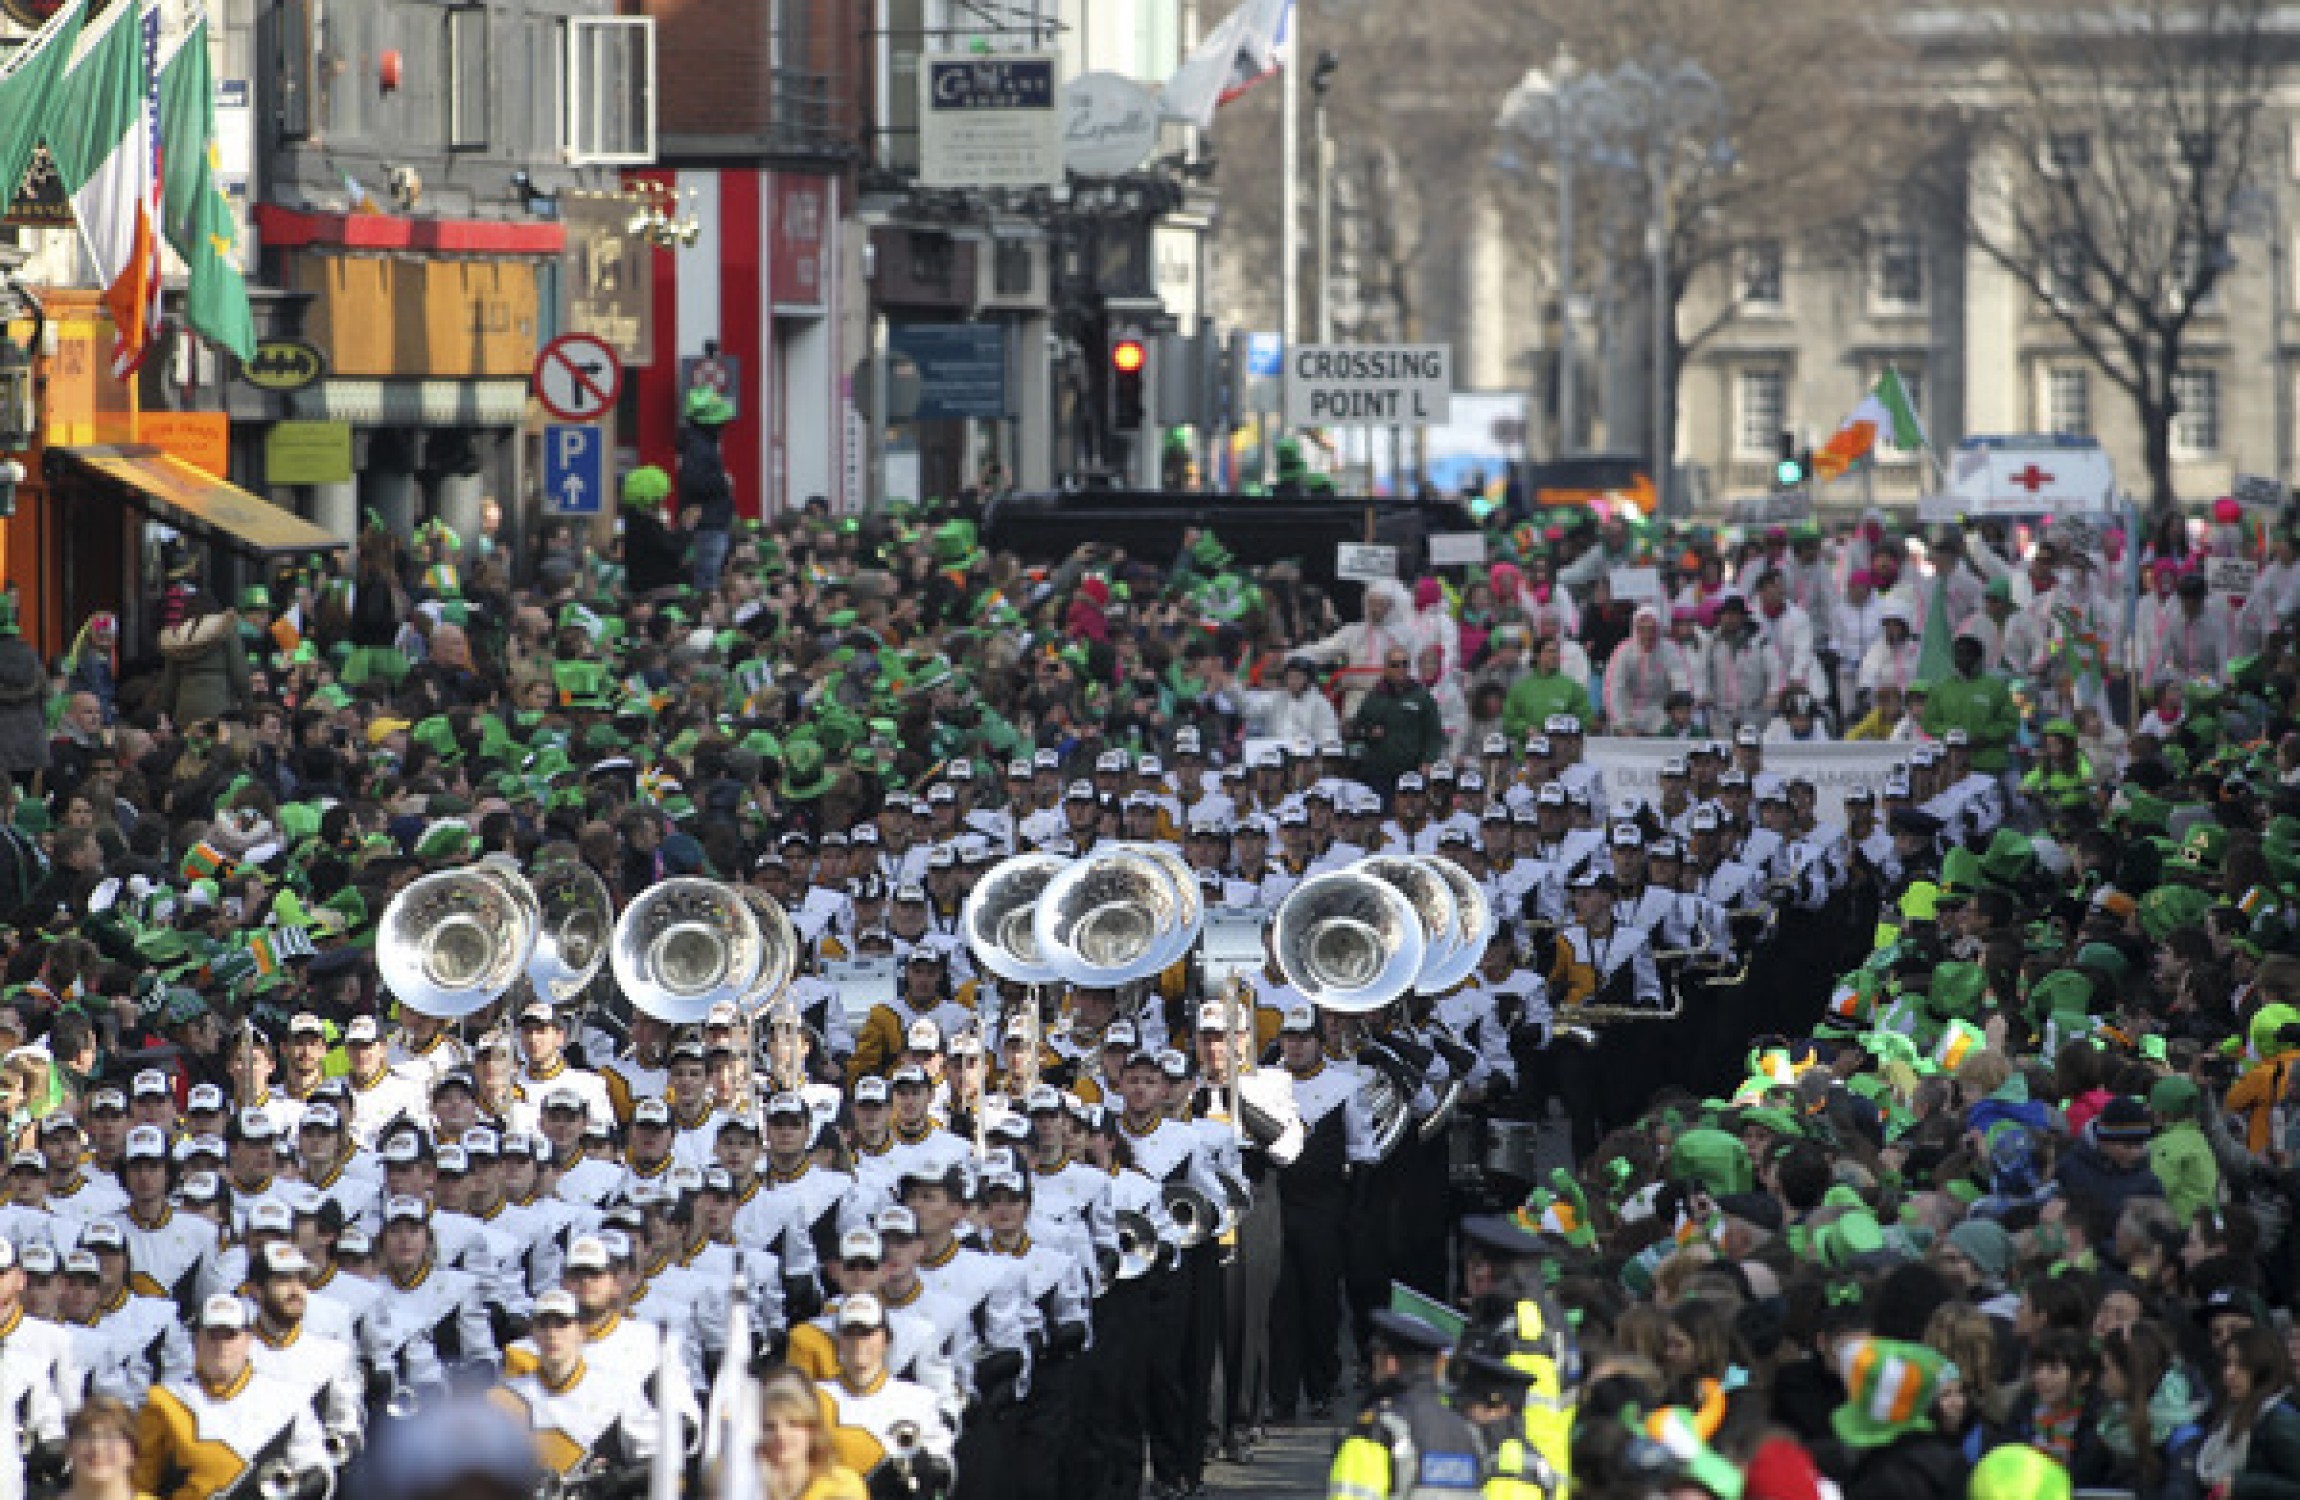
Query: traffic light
x,y
1129,363
1791,470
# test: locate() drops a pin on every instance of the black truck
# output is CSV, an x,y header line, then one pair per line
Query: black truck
x,y
1048,526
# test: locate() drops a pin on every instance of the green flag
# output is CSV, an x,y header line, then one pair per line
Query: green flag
x,y
196,215
1935,661
27,91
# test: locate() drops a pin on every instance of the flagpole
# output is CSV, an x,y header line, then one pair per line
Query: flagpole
x,y
1290,212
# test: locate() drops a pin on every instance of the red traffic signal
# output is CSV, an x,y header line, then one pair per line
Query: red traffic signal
x,y
1127,356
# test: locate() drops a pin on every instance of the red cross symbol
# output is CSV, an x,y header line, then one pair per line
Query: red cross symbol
x,y
2031,478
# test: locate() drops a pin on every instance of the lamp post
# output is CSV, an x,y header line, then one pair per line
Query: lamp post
x,y
1322,80
1565,110
1663,104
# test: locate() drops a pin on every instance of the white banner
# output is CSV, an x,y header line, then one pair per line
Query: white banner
x,y
1632,767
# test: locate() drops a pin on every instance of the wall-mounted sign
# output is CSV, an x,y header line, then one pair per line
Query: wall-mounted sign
x,y
1110,124
284,365
308,453
989,121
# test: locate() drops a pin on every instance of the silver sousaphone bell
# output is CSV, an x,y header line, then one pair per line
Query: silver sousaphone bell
x,y
1349,942
997,920
1194,1215
578,924
1109,919
1137,1245
452,942
684,946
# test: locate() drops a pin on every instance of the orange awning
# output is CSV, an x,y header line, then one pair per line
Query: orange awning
x,y
176,494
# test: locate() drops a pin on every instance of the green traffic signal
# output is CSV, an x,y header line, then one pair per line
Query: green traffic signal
x,y
1788,473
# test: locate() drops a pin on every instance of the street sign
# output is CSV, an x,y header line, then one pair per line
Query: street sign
x,y
1265,355
2231,578
308,453
1361,562
2258,492
1368,385
574,470
284,365
578,377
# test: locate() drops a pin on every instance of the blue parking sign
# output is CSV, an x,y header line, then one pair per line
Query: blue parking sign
x,y
574,469
1265,355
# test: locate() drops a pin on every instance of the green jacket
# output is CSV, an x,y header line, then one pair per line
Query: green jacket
x,y
1536,697
1400,732
1983,708
2182,1160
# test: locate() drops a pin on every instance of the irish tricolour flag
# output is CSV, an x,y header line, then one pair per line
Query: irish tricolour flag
x,y
105,135
1883,413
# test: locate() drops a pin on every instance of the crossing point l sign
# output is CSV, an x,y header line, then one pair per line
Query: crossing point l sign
x,y
1368,385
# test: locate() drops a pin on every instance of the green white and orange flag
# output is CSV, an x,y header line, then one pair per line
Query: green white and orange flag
x,y
1883,413
104,132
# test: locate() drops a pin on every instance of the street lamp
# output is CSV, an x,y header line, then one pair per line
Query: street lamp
x,y
1568,111
1321,80
1662,104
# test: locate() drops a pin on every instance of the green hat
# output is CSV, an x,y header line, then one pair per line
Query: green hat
x,y
2016,1471
255,596
2106,957
449,838
1889,1390
2266,1025
707,408
582,684
2173,1097
1714,1158
2169,908
1956,991
1961,871
2140,811
437,734
331,697
32,816
2065,728
2064,991
299,821
762,742
2203,849
806,769
2009,859
1844,1239
646,488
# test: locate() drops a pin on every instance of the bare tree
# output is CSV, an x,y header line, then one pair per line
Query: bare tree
x,y
2098,156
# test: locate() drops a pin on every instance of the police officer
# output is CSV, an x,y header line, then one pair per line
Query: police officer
x,y
1406,1441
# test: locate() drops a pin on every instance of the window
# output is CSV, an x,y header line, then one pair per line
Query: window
x,y
2064,263
1913,382
1760,413
2067,151
2195,413
611,90
2068,400
1896,270
1759,274
470,78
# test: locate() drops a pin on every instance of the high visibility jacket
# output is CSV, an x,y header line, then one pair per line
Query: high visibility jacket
x,y
1407,1445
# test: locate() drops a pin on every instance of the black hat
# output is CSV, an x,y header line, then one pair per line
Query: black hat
x,y
1404,1333
1500,1235
1760,1209
1915,820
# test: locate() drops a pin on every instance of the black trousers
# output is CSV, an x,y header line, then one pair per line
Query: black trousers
x,y
1306,1305
1202,1350
988,1453
1042,1427
1249,1286
1137,1394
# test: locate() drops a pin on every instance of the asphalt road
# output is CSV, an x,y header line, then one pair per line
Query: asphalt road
x,y
1292,1463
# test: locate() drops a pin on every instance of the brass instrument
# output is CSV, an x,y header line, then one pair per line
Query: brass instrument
x,y
1110,919
578,920
453,941
1349,942
1137,1246
1196,1220
684,946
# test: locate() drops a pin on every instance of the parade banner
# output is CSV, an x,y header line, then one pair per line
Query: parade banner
x,y
1633,767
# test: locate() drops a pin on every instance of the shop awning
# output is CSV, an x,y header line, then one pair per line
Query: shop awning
x,y
173,492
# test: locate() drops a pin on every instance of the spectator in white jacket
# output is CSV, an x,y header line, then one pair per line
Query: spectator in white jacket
x,y
1298,711
1646,668
1787,632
